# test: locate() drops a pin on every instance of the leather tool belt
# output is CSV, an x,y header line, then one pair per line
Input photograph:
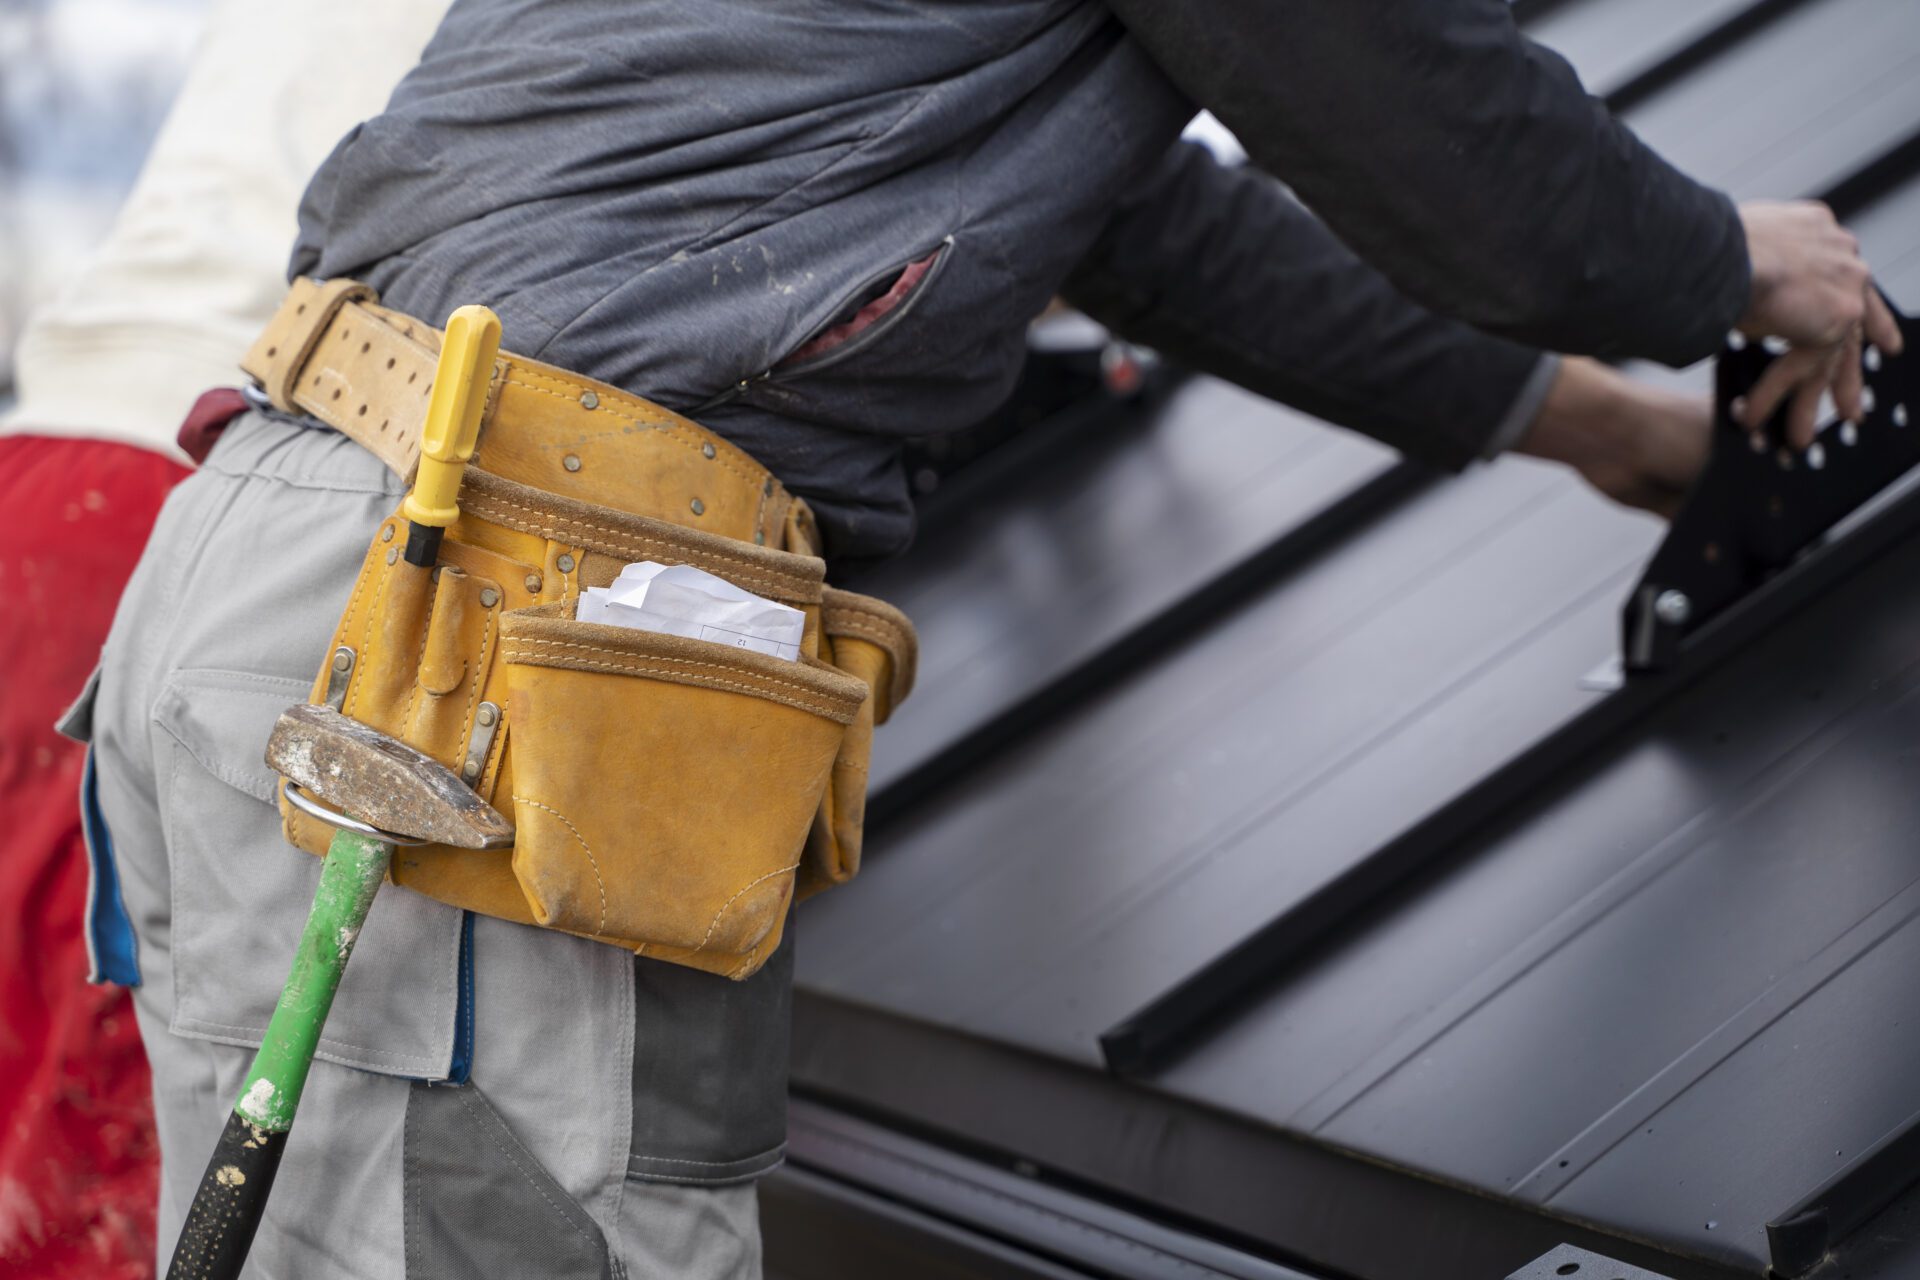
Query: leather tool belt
x,y
671,796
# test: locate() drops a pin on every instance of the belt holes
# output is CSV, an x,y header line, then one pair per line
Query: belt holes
x,y
336,393
412,376
300,310
384,422
363,411
389,362
316,379
365,347
272,352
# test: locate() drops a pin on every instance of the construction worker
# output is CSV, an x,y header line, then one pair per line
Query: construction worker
x,y
813,235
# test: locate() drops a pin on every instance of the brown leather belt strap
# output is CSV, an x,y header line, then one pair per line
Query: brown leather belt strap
x,y
327,354
333,353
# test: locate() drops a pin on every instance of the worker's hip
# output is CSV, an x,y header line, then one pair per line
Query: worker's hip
x,y
612,1075
671,793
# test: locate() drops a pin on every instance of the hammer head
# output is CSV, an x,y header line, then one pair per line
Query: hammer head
x,y
381,781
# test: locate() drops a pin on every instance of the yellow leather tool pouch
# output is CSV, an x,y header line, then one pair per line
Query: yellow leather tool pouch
x,y
671,796
664,787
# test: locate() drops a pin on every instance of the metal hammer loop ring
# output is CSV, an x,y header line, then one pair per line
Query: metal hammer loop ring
x,y
308,805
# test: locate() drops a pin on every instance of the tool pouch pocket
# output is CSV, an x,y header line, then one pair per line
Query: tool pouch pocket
x,y
874,642
664,788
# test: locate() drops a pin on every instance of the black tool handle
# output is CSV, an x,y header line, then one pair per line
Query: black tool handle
x,y
226,1209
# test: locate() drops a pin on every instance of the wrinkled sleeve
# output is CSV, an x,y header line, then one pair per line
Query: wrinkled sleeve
x,y
1468,164
1223,271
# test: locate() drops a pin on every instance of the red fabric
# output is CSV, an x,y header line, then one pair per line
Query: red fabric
x,y
79,1171
207,419
867,316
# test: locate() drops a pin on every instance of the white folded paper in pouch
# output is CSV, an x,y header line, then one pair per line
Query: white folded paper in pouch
x,y
684,601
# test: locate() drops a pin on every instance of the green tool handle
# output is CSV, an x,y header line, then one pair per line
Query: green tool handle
x,y
233,1192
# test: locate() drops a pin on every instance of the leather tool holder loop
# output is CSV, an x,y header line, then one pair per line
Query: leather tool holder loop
x,y
281,353
671,796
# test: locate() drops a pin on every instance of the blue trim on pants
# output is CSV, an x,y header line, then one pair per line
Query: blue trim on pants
x,y
461,1067
112,952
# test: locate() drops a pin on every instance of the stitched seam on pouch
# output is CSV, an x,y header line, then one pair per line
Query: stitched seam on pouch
x,y
547,525
478,675
715,922
426,631
591,860
866,624
366,643
639,664
667,425
700,681
346,623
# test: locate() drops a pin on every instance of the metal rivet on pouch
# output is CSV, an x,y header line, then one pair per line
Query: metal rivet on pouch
x,y
533,582
386,534
565,564
472,769
342,659
760,537
393,553
487,714
588,400
766,490
699,507
489,597
707,449
571,462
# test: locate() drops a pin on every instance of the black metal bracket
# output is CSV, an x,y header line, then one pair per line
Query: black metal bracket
x,y
1760,504
1583,1264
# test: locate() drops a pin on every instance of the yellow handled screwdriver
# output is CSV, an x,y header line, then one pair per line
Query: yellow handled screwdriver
x,y
452,429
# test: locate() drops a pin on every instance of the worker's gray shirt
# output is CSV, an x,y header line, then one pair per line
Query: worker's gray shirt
x,y
675,195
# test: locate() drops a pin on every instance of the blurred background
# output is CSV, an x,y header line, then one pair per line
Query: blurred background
x,y
84,85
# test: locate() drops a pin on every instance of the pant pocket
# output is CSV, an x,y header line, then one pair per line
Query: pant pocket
x,y
477,1202
664,788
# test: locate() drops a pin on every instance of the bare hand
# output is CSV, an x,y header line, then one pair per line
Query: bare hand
x,y
1636,444
1811,289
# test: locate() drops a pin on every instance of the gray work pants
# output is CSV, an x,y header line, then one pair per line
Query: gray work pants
x,y
492,1099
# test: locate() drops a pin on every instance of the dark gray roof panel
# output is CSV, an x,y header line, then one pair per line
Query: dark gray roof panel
x,y
1798,105
1665,988
1610,42
1253,738
1025,586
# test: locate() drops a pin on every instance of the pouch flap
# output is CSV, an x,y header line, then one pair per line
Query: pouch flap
x,y
849,614
241,894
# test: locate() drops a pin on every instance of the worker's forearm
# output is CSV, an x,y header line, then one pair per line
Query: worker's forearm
x,y
1224,272
1468,164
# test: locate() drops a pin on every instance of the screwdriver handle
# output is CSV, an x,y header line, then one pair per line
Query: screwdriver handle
x,y
452,429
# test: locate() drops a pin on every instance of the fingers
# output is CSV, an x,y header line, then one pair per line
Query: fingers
x,y
1882,331
1781,377
1803,410
1849,380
